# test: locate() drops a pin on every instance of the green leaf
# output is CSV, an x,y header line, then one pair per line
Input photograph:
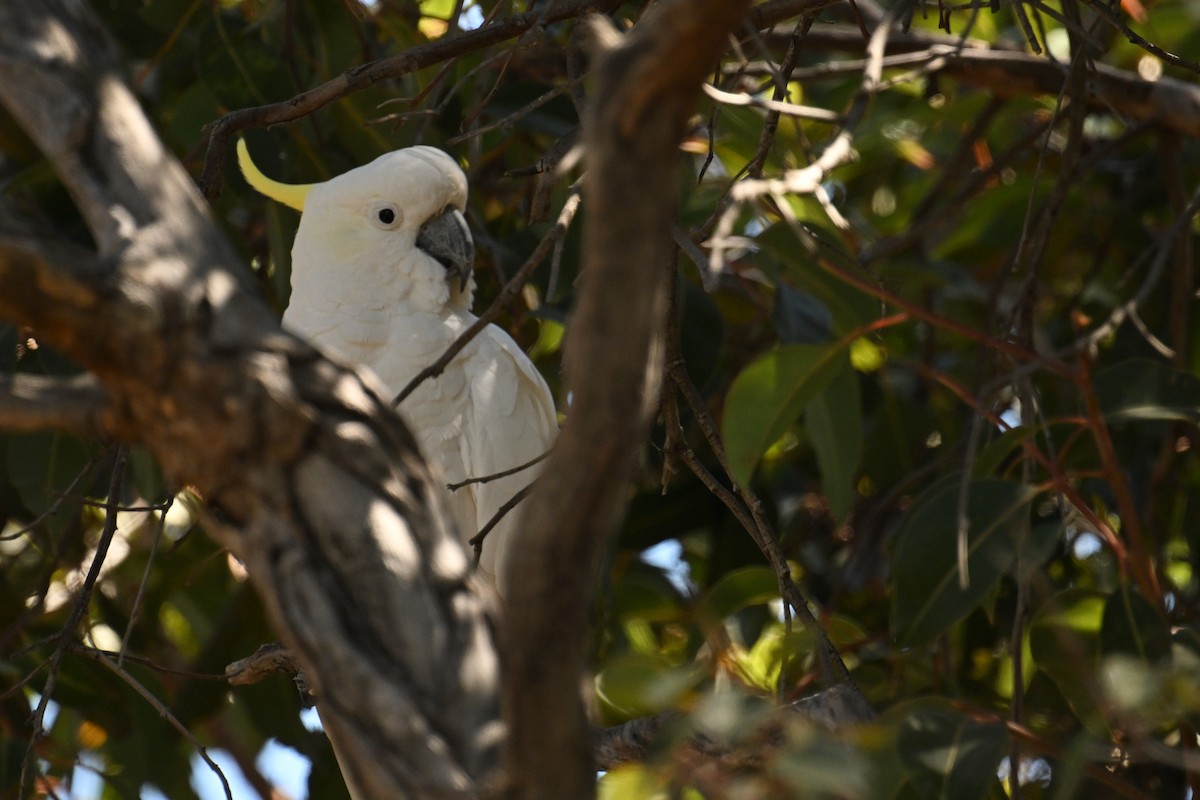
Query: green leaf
x,y
630,781
1131,625
833,421
749,586
800,317
41,465
848,307
1064,638
1140,389
1035,548
948,754
776,650
637,685
768,397
928,597
992,459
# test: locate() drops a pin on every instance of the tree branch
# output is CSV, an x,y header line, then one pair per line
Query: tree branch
x,y
1171,103
34,403
646,87
312,479
364,75
833,708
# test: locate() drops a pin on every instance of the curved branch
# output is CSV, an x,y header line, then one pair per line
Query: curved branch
x,y
364,75
311,477
35,403
435,52
646,87
1169,102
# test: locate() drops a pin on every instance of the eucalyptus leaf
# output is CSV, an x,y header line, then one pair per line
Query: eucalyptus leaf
x,y
833,422
1140,389
928,597
768,397
1132,626
948,754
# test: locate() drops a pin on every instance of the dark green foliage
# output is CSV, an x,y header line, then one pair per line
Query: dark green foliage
x,y
853,426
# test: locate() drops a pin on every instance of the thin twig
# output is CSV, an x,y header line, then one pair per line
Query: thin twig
x,y
99,657
54,506
82,601
788,109
509,291
357,78
507,122
1153,275
454,487
137,600
1114,18
836,153
476,541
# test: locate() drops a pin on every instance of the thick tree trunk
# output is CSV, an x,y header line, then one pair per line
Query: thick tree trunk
x,y
311,478
646,86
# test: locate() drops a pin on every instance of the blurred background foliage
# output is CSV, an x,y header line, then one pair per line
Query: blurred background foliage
x,y
904,390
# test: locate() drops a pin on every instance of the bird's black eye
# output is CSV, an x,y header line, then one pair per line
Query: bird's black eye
x,y
385,216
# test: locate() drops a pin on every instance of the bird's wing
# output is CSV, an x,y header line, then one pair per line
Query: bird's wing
x,y
510,420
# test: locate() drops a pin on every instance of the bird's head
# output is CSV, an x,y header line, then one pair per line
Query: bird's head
x,y
397,218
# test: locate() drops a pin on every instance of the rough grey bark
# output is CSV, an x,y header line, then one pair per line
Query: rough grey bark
x,y
645,89
311,478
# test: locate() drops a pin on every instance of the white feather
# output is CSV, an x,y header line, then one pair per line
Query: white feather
x,y
370,295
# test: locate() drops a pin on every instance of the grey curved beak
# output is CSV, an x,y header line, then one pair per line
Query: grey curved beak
x,y
447,239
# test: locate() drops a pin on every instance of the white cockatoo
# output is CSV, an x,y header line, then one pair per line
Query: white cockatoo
x,y
381,275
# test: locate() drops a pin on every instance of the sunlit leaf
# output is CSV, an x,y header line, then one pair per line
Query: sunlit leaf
x,y
769,396
1064,638
741,588
775,654
632,782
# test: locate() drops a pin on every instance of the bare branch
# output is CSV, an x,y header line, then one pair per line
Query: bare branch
x,y
362,76
789,109
262,663
36,402
646,88
165,713
833,709
78,609
1169,102
315,482
506,295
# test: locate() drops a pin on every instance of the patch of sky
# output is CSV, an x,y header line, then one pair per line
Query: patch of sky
x,y
1086,545
1030,771
311,719
85,778
668,556
208,785
285,768
1011,416
471,18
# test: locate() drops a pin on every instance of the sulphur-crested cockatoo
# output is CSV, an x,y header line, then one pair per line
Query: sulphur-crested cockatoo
x,y
381,275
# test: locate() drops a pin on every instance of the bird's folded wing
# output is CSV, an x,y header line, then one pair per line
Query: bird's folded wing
x,y
511,421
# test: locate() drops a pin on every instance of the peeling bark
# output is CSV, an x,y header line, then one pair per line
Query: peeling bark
x,y
310,477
